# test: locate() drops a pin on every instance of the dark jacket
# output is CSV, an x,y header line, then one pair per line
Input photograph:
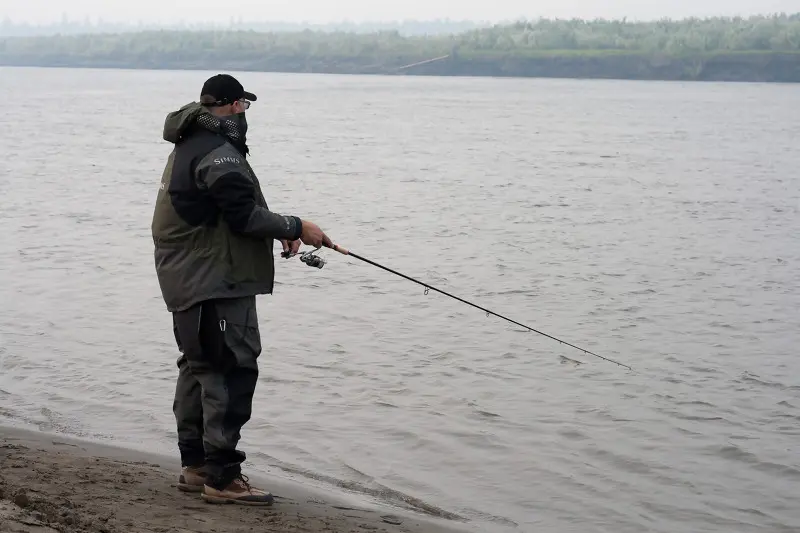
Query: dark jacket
x,y
212,229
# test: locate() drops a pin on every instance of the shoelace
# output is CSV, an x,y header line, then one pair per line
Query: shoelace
x,y
243,480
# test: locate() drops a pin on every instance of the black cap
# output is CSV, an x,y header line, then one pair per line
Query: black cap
x,y
223,89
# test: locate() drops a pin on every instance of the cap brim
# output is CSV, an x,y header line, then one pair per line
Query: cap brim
x,y
250,96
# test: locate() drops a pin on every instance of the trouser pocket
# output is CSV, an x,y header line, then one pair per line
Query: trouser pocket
x,y
200,335
238,321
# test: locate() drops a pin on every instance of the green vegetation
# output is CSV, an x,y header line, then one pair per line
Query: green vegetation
x,y
764,48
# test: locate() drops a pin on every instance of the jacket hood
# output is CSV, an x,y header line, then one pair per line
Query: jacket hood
x,y
194,115
180,121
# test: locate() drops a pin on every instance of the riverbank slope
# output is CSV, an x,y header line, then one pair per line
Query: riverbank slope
x,y
51,483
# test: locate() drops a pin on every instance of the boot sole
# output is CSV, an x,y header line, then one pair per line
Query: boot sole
x,y
190,488
223,501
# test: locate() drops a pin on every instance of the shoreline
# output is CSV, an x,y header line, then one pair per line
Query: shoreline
x,y
50,482
757,48
712,69
244,70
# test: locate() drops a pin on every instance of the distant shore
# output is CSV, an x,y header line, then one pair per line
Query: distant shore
x,y
763,67
50,483
755,49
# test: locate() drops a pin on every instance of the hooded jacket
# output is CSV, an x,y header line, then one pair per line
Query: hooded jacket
x,y
212,229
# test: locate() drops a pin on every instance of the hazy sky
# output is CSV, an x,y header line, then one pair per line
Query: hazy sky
x,y
360,10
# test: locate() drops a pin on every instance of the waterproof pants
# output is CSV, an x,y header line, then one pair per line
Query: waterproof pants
x,y
219,341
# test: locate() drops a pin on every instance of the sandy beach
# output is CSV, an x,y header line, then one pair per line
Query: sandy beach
x,y
51,483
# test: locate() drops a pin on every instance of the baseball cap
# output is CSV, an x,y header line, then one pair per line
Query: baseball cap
x,y
223,89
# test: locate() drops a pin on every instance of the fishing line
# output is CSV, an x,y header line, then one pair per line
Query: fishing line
x,y
313,260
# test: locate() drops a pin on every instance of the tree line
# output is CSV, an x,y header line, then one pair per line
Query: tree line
x,y
759,48
9,28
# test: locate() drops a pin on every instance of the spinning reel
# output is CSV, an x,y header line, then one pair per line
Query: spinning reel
x,y
309,258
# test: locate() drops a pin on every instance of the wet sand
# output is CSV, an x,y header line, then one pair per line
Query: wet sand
x,y
51,483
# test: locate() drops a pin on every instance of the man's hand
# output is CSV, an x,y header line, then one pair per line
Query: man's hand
x,y
290,248
314,236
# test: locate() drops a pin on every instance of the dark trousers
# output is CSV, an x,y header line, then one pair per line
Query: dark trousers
x,y
219,341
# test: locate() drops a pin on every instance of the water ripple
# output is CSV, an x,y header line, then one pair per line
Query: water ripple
x,y
598,212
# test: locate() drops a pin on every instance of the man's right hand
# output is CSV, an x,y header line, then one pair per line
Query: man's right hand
x,y
313,236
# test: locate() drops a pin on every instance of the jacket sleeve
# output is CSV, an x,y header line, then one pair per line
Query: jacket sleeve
x,y
222,174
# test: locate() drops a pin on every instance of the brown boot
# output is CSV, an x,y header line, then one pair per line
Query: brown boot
x,y
239,492
192,479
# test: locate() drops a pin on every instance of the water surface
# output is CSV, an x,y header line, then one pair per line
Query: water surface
x,y
653,223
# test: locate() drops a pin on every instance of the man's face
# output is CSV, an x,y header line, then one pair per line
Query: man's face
x,y
240,106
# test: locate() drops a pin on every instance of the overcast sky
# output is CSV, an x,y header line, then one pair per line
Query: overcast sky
x,y
43,11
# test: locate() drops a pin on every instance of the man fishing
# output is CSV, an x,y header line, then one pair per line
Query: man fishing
x,y
213,234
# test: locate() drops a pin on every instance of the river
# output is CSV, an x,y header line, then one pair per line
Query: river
x,y
652,223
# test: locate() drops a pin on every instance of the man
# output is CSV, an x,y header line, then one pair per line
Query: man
x,y
213,235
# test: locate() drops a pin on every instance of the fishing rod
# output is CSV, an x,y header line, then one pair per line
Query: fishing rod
x,y
311,259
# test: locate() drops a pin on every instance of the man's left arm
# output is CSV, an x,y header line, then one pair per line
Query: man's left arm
x,y
224,177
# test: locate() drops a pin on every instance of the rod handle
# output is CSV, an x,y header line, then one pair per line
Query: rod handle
x,y
340,249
